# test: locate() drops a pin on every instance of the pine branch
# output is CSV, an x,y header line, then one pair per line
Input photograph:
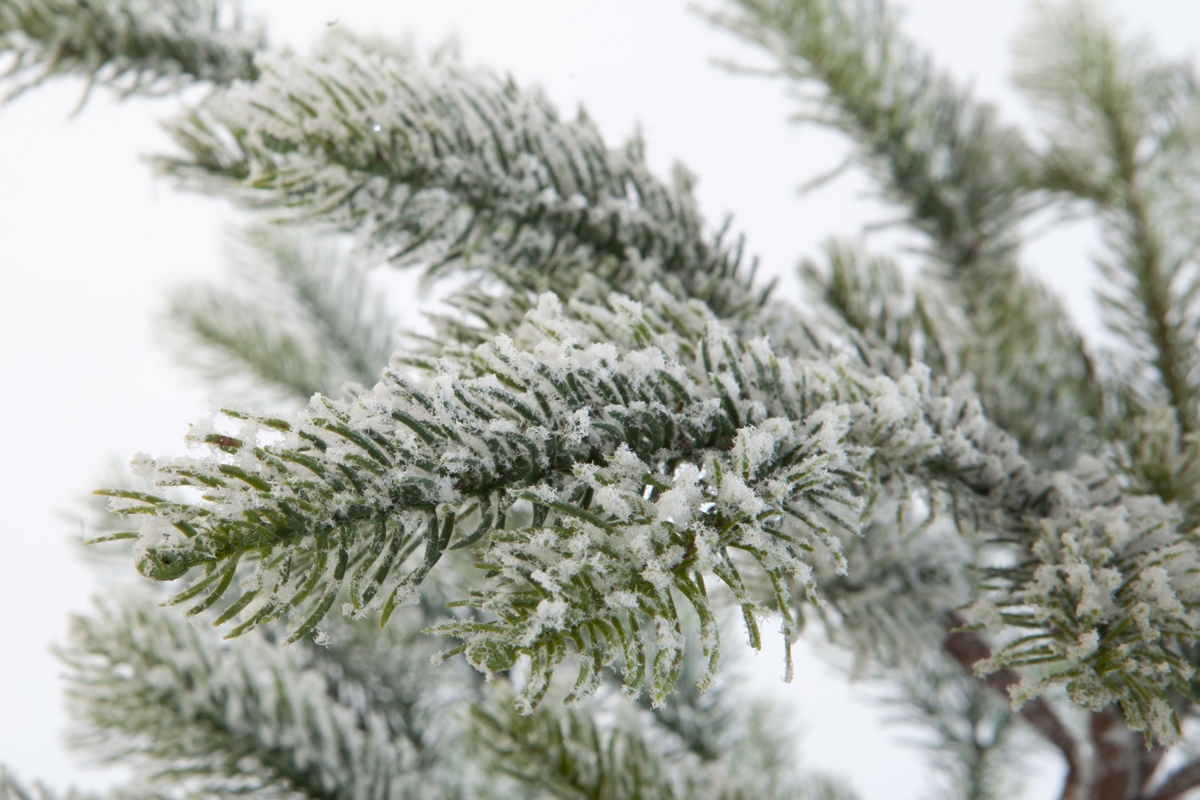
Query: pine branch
x,y
567,753
294,318
150,690
782,449
971,729
12,789
445,167
132,46
1121,123
961,178
688,445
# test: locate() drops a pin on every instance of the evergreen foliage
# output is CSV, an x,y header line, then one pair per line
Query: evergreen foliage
x,y
296,318
960,179
972,734
133,47
156,692
617,434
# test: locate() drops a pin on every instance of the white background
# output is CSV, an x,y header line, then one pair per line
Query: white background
x,y
89,240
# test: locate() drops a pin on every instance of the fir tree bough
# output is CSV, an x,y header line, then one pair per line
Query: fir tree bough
x,y
654,446
136,48
688,447
615,432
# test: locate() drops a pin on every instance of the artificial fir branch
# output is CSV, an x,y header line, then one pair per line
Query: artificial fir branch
x,y
132,46
150,690
12,789
407,465
438,165
1124,140
961,177
971,729
298,316
783,450
668,433
458,170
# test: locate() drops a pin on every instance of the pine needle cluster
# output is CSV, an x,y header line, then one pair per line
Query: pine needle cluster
x,y
618,434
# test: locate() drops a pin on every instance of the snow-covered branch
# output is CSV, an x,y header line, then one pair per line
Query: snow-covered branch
x,y
133,46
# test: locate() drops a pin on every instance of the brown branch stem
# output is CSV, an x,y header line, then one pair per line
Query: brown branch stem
x,y
1185,778
968,648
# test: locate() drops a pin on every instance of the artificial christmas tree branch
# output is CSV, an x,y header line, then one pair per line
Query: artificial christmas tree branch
x,y
1124,141
961,178
298,316
132,46
495,173
437,165
614,432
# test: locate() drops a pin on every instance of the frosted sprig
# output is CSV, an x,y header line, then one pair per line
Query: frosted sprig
x,y
12,789
195,714
651,459
133,46
959,177
1107,606
439,165
298,316
569,752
